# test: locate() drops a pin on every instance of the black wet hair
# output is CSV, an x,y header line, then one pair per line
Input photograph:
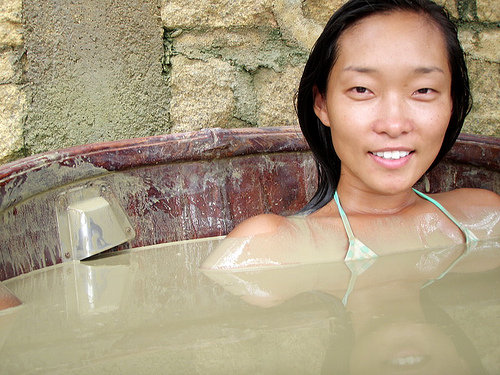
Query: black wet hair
x,y
321,60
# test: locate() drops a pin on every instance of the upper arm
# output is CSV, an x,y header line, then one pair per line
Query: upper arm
x,y
477,209
239,246
469,201
478,197
261,224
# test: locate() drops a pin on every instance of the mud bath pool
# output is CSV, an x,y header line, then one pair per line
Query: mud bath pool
x,y
149,308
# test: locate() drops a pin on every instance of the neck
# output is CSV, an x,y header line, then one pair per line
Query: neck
x,y
359,201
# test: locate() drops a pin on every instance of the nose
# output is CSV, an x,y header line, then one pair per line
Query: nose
x,y
393,117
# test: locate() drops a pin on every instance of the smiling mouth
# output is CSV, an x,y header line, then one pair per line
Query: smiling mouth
x,y
391,155
407,361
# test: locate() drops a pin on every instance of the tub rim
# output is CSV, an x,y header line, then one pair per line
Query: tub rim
x,y
205,144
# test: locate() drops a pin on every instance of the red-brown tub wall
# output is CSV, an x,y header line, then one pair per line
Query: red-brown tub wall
x,y
185,186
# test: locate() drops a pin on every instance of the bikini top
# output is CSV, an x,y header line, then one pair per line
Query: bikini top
x,y
365,257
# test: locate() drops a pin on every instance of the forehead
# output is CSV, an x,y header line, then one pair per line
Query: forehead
x,y
397,36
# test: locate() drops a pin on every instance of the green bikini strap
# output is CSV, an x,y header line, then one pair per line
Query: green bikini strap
x,y
344,218
469,236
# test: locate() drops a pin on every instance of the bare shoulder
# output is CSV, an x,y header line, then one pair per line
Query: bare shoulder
x,y
260,224
470,198
477,209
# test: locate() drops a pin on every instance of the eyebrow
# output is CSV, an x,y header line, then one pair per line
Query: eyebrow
x,y
419,70
428,69
359,69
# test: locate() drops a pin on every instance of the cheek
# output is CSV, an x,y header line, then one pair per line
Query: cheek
x,y
439,124
346,135
435,120
349,121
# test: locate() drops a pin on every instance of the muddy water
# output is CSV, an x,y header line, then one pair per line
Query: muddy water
x,y
152,311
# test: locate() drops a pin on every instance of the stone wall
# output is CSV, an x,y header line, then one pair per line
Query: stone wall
x,y
75,71
12,87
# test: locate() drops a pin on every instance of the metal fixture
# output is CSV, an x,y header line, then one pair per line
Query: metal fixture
x,y
90,221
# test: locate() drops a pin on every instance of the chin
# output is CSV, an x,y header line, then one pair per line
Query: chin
x,y
394,190
393,185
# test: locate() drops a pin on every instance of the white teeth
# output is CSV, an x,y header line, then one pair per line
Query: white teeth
x,y
407,361
394,155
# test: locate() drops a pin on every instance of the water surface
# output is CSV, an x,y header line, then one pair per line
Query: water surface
x,y
151,310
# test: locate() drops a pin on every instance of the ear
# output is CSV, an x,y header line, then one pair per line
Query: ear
x,y
320,107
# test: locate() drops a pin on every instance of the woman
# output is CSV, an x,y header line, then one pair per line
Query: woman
x,y
383,97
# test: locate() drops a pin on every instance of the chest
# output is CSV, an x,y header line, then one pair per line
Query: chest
x,y
387,235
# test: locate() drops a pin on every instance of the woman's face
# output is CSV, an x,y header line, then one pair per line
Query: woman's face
x,y
407,348
388,101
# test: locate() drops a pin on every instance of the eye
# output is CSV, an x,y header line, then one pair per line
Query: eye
x,y
425,94
360,93
424,91
359,90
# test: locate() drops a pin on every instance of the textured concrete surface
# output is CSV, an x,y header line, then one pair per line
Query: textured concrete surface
x,y
95,72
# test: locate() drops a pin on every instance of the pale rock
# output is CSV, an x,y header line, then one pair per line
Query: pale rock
x,y
11,34
294,25
201,94
450,5
485,113
7,71
481,45
319,10
11,30
11,11
213,13
488,10
275,96
249,49
12,112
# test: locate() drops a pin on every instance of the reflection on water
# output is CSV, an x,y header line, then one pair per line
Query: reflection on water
x,y
152,311
7,299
